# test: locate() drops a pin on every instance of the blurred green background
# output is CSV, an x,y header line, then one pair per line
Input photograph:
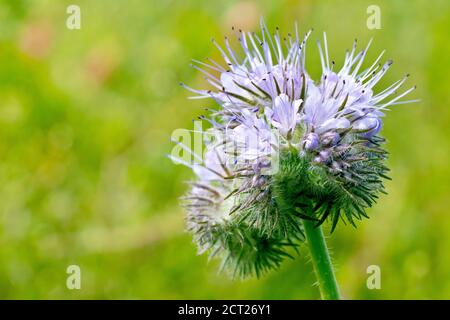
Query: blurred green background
x,y
85,123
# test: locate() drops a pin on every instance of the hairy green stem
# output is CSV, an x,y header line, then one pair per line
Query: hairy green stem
x,y
321,260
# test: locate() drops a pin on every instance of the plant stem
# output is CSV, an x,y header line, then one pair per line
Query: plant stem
x,y
321,260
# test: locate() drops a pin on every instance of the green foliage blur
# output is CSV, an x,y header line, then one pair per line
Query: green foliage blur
x,y
85,123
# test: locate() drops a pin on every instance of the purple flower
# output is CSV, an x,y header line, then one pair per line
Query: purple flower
x,y
284,114
268,104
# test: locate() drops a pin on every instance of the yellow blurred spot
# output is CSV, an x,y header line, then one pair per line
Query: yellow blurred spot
x,y
101,62
417,264
243,15
36,38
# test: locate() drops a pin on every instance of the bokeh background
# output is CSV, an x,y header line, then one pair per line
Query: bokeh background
x,y
85,123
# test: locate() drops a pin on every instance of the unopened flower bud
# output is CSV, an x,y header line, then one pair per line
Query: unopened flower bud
x,y
335,165
330,138
311,141
323,156
372,124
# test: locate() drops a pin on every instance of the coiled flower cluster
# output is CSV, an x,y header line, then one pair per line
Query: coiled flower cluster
x,y
283,148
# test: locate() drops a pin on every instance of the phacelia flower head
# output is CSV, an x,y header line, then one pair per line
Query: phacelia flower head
x,y
286,147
